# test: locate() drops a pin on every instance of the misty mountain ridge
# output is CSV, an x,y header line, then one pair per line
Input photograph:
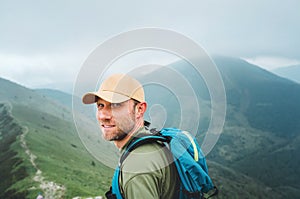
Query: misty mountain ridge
x,y
264,98
257,94
255,157
289,72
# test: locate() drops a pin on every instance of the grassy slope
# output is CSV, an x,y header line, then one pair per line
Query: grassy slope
x,y
61,155
52,137
12,165
268,158
233,184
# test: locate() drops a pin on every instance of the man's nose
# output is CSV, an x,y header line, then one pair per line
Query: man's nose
x,y
104,114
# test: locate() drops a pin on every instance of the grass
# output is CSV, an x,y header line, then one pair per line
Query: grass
x,y
12,166
60,156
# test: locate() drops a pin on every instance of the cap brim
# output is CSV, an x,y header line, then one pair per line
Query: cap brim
x,y
109,96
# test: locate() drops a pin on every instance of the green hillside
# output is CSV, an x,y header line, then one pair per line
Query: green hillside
x,y
233,184
12,166
270,103
57,96
262,129
55,149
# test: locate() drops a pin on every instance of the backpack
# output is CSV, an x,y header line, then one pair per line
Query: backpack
x,y
189,160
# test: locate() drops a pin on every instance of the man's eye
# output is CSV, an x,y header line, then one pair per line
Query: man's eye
x,y
100,106
115,105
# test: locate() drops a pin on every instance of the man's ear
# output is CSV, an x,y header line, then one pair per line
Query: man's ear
x,y
141,108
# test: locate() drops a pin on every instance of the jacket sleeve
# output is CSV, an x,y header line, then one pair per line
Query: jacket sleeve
x,y
142,186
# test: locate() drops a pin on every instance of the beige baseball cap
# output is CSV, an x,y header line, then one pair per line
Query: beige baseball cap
x,y
116,89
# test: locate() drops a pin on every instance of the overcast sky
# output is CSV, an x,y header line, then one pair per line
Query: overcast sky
x,y
44,43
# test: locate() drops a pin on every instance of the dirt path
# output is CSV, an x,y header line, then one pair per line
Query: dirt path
x,y
51,189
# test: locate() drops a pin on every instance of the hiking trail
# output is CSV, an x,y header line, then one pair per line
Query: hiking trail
x,y
51,190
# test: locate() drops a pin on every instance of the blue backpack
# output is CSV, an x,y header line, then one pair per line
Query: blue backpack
x,y
189,160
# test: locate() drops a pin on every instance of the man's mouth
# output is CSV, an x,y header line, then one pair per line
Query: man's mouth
x,y
107,126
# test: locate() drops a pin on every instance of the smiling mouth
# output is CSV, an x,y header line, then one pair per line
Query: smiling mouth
x,y
107,126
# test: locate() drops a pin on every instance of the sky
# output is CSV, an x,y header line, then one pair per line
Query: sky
x,y
44,43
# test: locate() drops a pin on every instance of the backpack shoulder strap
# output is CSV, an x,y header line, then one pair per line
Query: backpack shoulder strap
x,y
141,140
115,192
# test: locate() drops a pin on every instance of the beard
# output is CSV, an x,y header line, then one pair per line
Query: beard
x,y
119,136
122,127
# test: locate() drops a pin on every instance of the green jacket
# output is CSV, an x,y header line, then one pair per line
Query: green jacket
x,y
149,172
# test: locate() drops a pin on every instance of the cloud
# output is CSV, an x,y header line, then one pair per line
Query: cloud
x,y
59,70
39,70
143,58
271,62
45,42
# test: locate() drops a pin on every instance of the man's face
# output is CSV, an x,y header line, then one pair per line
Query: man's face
x,y
116,120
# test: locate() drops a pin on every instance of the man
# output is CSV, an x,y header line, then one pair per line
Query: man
x,y
148,172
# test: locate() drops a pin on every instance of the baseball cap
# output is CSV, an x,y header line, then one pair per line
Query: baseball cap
x,y
116,89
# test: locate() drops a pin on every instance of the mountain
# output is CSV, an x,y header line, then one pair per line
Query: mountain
x,y
261,135
256,155
264,98
262,130
268,102
289,72
41,150
57,96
